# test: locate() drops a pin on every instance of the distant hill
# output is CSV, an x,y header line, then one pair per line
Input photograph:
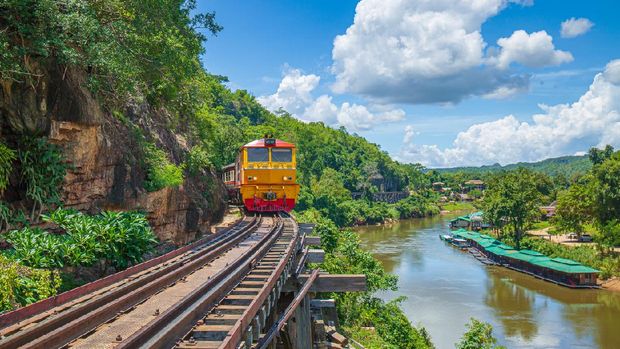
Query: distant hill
x,y
567,165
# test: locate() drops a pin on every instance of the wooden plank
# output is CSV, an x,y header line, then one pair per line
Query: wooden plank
x,y
305,228
336,337
315,256
277,327
322,303
312,241
336,283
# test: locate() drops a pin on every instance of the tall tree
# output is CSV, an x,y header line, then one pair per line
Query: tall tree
x,y
607,199
512,200
575,208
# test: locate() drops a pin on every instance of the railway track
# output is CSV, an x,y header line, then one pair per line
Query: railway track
x,y
219,294
233,306
97,312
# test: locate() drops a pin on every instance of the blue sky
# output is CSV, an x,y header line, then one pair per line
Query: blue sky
x,y
439,82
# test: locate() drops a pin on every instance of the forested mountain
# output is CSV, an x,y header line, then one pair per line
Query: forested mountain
x,y
566,165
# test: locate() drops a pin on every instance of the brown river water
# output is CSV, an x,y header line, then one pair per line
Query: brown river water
x,y
445,287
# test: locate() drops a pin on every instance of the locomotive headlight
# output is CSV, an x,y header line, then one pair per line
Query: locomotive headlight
x,y
287,178
255,178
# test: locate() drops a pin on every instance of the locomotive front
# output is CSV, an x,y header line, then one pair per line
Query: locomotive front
x,y
268,175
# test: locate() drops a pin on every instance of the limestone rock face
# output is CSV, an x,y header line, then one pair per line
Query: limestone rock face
x,y
105,156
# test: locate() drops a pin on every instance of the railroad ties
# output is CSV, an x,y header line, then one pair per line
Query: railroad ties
x,y
223,292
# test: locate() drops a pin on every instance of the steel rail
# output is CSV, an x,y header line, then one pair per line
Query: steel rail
x,y
173,324
60,329
37,311
236,334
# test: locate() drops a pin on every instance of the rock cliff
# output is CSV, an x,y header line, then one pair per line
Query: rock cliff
x,y
104,154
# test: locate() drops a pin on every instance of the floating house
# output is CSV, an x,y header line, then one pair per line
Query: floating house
x,y
473,221
561,271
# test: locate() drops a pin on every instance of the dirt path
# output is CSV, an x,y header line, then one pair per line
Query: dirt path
x,y
562,238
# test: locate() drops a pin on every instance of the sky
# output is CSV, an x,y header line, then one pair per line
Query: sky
x,y
439,82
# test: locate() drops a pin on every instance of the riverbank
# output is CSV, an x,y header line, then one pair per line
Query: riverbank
x,y
525,312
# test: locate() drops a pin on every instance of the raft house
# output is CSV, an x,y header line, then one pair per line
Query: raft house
x,y
561,271
472,221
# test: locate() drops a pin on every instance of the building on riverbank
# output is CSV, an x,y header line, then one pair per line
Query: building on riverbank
x,y
472,221
561,271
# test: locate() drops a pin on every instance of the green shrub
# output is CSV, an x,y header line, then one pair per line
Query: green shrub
x,y
479,335
197,161
20,285
161,173
43,169
5,215
116,239
7,156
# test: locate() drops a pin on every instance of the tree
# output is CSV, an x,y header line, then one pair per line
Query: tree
x,y
512,200
606,186
475,193
574,208
479,335
598,156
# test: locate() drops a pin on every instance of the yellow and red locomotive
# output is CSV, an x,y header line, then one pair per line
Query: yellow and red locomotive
x,y
264,176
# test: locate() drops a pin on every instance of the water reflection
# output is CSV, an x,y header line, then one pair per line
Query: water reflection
x,y
445,287
513,306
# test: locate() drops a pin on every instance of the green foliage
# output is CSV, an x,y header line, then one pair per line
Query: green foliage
x,y
20,285
161,173
7,156
43,170
594,200
568,166
5,215
118,239
476,194
479,335
512,200
459,206
197,161
129,47
574,209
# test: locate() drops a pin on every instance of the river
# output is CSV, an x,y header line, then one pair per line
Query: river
x,y
445,287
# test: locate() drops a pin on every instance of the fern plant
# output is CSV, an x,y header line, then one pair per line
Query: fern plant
x,y
7,156
43,169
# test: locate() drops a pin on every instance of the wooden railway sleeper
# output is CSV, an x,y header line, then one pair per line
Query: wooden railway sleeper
x,y
68,325
158,333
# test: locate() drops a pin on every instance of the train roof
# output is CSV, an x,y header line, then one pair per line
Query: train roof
x,y
260,143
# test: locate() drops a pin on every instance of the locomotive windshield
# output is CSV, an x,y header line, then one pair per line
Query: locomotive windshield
x,y
258,154
281,155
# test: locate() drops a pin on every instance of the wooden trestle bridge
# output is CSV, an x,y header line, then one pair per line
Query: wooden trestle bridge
x,y
244,287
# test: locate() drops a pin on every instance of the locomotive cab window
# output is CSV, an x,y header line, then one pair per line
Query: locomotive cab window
x,y
281,155
258,154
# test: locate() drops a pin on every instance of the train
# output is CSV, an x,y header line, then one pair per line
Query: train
x,y
263,177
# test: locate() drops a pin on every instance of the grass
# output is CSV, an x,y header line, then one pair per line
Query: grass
x,y
540,225
458,206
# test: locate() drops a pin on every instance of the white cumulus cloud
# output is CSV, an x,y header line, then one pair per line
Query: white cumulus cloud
x,y
294,94
593,120
531,50
426,51
574,27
